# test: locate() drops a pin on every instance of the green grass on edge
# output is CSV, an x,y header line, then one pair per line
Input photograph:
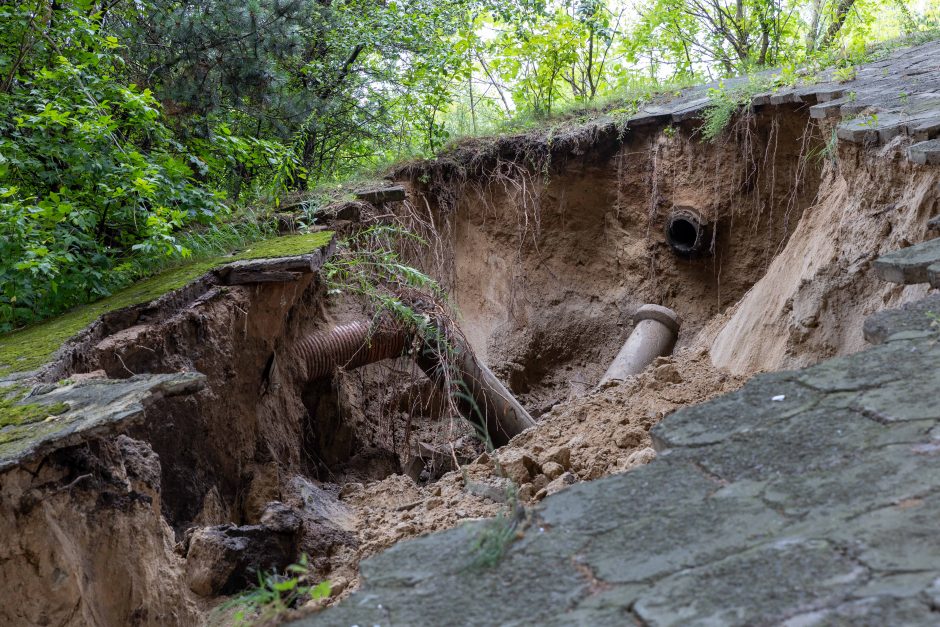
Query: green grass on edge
x,y
29,348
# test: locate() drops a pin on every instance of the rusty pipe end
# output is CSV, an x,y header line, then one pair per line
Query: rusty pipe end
x,y
687,233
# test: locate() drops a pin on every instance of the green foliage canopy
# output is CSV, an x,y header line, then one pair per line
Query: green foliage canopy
x,y
91,181
129,128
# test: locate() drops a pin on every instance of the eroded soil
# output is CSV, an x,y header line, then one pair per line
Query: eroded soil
x,y
546,251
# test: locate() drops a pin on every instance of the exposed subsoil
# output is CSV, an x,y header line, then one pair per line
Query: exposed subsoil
x,y
547,248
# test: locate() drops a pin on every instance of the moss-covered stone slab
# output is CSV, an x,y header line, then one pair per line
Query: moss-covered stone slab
x,y
53,416
30,348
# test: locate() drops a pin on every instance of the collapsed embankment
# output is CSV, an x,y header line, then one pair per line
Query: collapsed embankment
x,y
547,243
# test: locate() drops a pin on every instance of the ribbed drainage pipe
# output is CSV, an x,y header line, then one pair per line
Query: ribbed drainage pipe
x,y
349,345
480,398
655,335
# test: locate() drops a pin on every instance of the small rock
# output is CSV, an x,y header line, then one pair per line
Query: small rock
x,y
595,472
667,373
560,483
540,482
517,465
630,437
560,455
280,518
641,457
526,492
337,585
575,443
552,470
498,493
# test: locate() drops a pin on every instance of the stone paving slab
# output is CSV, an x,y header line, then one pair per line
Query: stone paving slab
x,y
898,95
805,498
917,319
909,265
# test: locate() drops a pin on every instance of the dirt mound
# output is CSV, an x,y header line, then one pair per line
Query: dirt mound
x,y
817,292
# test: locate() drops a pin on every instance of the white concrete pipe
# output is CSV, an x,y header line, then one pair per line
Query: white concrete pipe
x,y
654,335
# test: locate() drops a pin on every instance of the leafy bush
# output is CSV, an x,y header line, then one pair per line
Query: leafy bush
x,y
92,185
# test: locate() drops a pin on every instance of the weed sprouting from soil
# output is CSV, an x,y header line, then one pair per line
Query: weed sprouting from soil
x,y
496,535
275,595
369,264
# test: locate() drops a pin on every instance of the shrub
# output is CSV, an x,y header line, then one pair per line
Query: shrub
x,y
92,184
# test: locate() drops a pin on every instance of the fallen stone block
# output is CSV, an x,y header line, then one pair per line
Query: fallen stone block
x,y
909,265
351,210
227,558
381,195
925,153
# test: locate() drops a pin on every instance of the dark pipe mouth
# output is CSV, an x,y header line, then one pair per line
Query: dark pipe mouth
x,y
685,233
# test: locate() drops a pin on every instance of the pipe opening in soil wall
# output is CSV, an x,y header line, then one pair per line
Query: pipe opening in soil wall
x,y
687,233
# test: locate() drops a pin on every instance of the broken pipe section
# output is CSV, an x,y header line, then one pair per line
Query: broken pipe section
x,y
479,397
654,335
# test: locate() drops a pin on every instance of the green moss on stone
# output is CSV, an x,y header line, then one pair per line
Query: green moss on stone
x,y
31,347
15,438
14,412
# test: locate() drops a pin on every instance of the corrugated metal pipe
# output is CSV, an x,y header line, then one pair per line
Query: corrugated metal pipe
x,y
349,345
655,335
481,398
